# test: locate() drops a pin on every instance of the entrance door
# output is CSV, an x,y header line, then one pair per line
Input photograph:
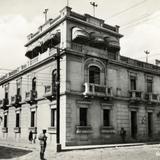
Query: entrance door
x,y
133,124
150,124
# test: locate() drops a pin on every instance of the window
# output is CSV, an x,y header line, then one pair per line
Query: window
x,y
94,75
53,117
19,87
32,118
149,85
133,83
54,79
17,120
83,116
106,117
5,121
34,84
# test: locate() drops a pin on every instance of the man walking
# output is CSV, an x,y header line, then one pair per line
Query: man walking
x,y
43,143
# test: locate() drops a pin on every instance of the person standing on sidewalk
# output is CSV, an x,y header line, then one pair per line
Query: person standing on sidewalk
x,y
43,143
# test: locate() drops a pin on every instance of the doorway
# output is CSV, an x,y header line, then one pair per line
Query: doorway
x,y
133,124
150,129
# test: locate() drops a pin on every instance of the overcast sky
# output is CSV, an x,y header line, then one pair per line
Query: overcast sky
x,y
139,22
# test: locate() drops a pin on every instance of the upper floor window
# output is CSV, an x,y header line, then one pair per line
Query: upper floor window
x,y
18,87
133,82
149,85
34,84
6,91
54,79
94,74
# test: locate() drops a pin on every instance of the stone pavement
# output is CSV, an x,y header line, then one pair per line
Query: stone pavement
x,y
143,152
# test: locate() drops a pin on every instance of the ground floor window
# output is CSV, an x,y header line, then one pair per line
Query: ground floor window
x,y
5,121
83,116
53,117
106,117
32,118
17,120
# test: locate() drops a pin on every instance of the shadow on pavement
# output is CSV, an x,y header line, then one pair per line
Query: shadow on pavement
x,y
7,152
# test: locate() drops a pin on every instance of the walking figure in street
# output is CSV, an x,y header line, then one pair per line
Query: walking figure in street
x,y
30,137
123,134
43,143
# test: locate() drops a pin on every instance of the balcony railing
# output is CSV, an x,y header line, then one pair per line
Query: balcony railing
x,y
4,103
31,96
15,99
97,90
49,91
152,98
33,129
134,94
84,129
5,129
17,130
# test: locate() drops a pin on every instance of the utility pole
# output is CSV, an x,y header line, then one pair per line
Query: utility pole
x,y
147,53
94,6
45,14
58,57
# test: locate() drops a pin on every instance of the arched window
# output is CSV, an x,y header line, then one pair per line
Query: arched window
x,y
54,79
34,84
94,74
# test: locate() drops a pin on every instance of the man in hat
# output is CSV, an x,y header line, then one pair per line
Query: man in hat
x,y
43,143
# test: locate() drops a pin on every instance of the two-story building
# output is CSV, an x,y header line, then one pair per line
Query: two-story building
x,y
100,90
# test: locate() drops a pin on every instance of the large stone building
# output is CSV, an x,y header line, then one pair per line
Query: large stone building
x,y
101,91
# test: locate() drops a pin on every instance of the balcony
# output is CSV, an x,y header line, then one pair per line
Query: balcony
x,y
152,98
4,103
49,92
5,129
107,130
31,96
135,96
33,129
83,129
97,90
17,130
15,100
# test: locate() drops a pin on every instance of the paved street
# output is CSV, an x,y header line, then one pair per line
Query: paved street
x,y
146,152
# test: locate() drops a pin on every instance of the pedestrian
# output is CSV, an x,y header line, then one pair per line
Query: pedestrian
x,y
123,134
30,137
43,143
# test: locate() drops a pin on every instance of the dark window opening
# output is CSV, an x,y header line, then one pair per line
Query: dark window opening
x,y
54,79
94,75
17,120
53,117
5,121
106,117
34,84
133,83
6,95
149,85
33,119
18,91
83,116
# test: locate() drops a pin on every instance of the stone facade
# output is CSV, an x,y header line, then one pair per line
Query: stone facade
x,y
101,91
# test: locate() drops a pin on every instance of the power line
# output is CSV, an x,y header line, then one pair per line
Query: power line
x,y
127,9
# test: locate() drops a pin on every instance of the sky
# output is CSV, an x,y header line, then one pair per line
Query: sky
x,y
139,22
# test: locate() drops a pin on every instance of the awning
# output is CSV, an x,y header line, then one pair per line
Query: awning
x,y
97,41
79,35
55,39
112,44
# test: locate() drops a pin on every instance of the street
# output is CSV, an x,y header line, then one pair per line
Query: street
x,y
145,152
